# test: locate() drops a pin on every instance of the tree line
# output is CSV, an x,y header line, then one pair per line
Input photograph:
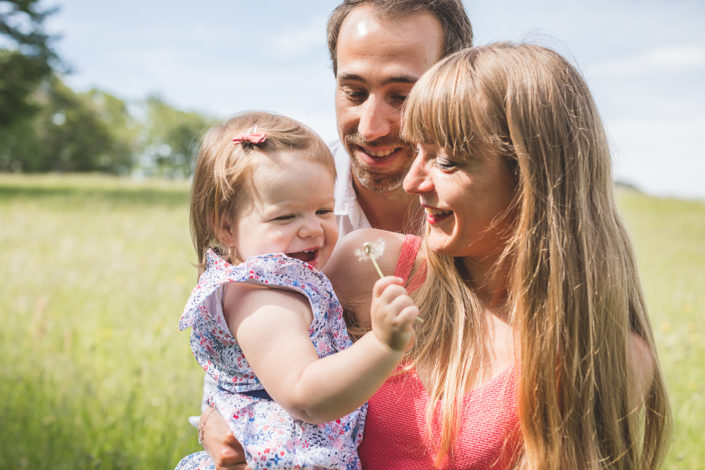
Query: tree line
x,y
46,126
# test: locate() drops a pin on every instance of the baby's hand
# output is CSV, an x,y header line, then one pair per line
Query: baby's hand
x,y
393,313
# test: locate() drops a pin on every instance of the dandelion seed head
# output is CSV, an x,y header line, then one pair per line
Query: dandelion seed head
x,y
375,249
371,250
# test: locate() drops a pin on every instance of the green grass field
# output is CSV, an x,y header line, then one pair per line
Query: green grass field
x,y
95,272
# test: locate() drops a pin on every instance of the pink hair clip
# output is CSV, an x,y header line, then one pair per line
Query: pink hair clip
x,y
250,137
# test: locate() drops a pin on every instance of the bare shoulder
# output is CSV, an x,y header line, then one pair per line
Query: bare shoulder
x,y
242,300
352,277
641,364
347,265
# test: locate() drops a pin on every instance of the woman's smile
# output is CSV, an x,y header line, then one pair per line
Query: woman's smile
x,y
434,215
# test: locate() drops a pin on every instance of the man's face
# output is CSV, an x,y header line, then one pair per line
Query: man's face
x,y
379,60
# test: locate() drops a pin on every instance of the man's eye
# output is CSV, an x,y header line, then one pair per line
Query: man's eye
x,y
355,95
398,100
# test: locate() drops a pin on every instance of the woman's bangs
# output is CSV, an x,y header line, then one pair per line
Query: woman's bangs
x,y
438,112
418,121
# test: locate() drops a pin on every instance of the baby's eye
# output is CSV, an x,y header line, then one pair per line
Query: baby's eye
x,y
324,211
284,218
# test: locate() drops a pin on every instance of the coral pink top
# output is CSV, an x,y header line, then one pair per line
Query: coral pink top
x,y
396,436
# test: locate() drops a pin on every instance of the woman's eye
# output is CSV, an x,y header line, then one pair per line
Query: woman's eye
x,y
445,164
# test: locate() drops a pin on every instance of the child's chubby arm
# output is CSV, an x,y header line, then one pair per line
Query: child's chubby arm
x,y
271,327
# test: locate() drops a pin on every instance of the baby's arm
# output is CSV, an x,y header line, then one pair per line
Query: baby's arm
x,y
271,327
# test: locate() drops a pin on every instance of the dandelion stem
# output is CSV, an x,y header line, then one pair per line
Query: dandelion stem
x,y
371,250
368,251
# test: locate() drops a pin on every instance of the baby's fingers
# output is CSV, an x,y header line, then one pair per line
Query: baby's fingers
x,y
397,299
407,316
382,284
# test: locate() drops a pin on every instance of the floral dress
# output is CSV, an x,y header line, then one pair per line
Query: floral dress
x,y
270,437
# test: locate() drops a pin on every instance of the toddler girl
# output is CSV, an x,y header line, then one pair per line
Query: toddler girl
x,y
266,324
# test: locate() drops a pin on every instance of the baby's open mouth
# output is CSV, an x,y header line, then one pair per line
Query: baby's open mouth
x,y
306,256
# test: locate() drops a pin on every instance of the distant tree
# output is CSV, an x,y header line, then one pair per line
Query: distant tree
x,y
26,57
172,138
18,142
125,130
71,132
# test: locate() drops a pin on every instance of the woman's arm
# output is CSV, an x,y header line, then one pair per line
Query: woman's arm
x,y
641,366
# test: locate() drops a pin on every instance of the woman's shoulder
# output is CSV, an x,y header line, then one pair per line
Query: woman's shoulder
x,y
642,365
349,261
353,275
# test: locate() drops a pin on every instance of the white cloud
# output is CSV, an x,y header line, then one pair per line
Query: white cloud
x,y
297,42
672,59
663,157
307,38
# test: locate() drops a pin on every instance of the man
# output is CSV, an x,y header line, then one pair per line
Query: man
x,y
378,49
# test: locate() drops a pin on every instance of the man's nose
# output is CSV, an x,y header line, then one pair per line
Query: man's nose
x,y
377,119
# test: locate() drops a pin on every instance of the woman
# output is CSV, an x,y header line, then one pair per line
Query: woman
x,y
531,299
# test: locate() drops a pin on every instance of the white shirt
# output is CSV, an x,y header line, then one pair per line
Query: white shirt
x,y
348,212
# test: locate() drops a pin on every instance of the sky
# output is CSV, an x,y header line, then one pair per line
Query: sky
x,y
643,60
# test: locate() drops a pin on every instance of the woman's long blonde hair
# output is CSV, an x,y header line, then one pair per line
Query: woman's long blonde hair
x,y
221,179
574,291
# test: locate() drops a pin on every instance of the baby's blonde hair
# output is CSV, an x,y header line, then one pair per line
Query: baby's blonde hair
x,y
222,177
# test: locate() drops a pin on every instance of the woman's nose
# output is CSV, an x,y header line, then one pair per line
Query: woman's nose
x,y
417,179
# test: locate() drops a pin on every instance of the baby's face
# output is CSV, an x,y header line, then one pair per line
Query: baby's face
x,y
290,210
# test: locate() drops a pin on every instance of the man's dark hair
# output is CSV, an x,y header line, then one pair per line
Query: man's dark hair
x,y
457,31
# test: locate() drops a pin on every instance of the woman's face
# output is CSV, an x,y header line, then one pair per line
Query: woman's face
x,y
465,201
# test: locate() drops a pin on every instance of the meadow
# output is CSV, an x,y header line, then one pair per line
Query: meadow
x,y
94,373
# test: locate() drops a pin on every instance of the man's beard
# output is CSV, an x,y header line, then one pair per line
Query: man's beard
x,y
363,173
